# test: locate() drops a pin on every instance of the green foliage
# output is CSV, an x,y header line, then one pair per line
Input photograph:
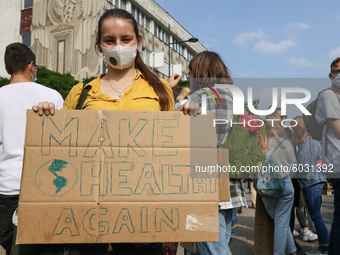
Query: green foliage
x,y
183,84
60,82
87,80
4,81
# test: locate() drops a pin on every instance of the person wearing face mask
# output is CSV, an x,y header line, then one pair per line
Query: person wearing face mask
x,y
128,85
15,99
328,110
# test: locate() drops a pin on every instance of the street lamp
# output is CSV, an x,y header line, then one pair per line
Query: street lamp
x,y
192,40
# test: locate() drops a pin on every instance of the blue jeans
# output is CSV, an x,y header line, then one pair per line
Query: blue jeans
x,y
334,244
222,246
313,201
234,222
279,209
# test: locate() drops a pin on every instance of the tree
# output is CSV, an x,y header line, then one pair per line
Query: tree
x,y
183,84
60,82
4,81
87,80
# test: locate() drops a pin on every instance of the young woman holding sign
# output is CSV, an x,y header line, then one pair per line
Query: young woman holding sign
x,y
127,85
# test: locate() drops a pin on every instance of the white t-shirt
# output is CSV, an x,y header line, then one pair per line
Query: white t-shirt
x,y
15,100
328,107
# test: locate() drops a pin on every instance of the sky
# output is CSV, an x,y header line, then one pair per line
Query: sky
x,y
266,38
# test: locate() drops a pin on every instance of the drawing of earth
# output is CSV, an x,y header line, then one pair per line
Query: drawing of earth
x,y
56,177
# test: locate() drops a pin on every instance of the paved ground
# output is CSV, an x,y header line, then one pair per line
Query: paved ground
x,y
243,242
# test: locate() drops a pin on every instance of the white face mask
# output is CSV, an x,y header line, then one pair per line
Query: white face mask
x,y
120,57
336,80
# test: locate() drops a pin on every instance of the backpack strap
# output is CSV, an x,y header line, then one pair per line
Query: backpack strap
x,y
85,90
273,151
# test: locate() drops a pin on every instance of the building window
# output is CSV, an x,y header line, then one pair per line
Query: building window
x,y
147,23
133,12
142,19
122,4
166,38
61,57
28,4
138,18
117,3
26,39
189,55
146,57
156,31
181,51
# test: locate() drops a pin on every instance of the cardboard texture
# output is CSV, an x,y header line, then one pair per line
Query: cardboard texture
x,y
264,230
111,176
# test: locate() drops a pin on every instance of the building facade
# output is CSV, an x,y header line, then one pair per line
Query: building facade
x,y
15,20
62,33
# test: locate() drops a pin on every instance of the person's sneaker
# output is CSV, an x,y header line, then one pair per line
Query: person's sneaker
x,y
308,235
315,252
295,233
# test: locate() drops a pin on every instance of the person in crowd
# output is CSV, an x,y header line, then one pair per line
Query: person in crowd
x,y
176,91
308,153
209,66
283,118
15,99
302,215
127,85
280,208
298,204
328,112
184,92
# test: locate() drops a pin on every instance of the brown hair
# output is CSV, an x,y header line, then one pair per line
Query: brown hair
x,y
299,131
334,63
184,92
209,65
162,92
274,129
17,57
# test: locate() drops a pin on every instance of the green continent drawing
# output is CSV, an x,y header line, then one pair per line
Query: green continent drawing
x,y
56,166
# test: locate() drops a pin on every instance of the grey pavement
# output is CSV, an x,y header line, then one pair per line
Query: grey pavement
x,y
243,242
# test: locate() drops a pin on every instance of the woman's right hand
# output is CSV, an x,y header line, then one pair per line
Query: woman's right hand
x,y
46,108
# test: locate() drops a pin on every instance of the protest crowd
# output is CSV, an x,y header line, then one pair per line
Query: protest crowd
x,y
128,78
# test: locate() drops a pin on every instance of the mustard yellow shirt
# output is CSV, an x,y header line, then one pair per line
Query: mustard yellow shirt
x,y
139,97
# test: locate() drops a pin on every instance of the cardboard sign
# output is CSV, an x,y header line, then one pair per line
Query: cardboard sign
x,y
111,176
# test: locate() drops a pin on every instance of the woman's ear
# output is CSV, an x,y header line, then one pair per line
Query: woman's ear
x,y
139,42
98,46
